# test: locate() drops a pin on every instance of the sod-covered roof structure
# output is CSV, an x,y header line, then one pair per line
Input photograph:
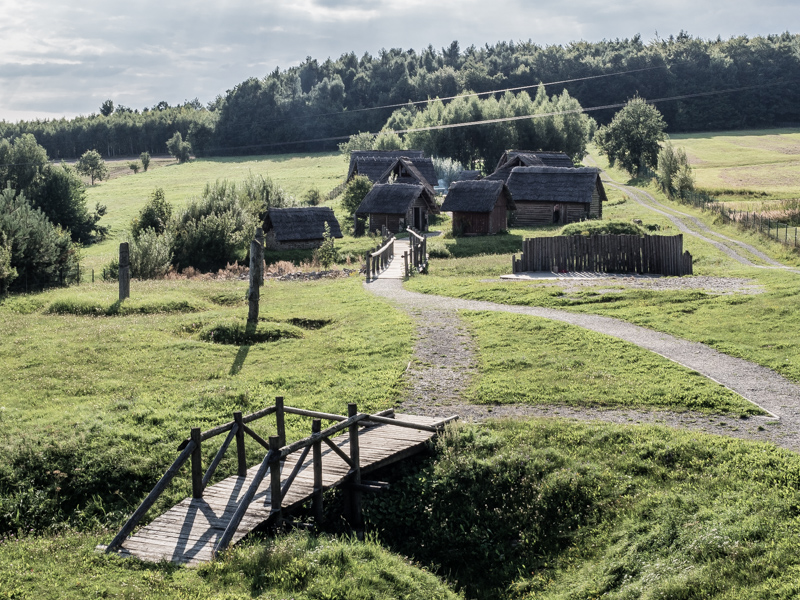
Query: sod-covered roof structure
x,y
468,176
301,224
395,198
476,196
538,158
554,184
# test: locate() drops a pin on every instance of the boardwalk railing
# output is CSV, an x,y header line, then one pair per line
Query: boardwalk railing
x,y
277,451
416,260
656,254
379,259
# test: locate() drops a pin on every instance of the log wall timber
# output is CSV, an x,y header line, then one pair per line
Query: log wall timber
x,y
649,254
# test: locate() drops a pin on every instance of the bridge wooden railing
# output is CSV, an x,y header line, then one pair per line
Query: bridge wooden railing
x,y
380,258
277,451
417,259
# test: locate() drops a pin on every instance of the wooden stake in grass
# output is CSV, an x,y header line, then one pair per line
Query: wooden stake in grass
x,y
124,271
256,275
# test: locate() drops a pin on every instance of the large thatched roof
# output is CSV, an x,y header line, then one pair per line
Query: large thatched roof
x,y
395,199
307,223
530,158
475,196
468,176
405,170
374,163
554,184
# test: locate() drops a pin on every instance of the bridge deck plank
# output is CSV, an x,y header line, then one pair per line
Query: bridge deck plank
x,y
187,533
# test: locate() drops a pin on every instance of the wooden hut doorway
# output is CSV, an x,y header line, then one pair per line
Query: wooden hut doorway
x,y
419,225
557,213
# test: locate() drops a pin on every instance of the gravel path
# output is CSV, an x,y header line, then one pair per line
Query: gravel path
x,y
445,364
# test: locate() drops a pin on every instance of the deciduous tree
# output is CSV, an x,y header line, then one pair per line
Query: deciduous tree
x,y
92,165
632,138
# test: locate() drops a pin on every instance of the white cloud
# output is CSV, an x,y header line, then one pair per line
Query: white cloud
x,y
58,58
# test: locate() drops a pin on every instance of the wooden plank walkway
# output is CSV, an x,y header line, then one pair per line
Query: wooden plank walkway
x,y
187,533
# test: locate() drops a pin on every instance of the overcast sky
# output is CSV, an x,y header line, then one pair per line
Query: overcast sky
x,y
60,60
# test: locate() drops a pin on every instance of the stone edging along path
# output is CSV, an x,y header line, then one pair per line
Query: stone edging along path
x,y
445,363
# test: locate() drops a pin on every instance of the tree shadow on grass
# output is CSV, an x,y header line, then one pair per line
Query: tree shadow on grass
x,y
244,350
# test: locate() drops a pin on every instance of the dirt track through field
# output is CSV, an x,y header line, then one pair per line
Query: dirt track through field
x,y
445,365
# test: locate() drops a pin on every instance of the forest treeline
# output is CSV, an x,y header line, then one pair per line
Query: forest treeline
x,y
328,99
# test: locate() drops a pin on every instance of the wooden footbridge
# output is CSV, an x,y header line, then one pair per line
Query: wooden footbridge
x,y
198,528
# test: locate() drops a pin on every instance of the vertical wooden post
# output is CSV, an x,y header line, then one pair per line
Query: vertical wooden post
x,y
275,480
124,271
241,457
405,262
256,279
197,465
355,497
259,237
92,275
316,426
279,420
367,268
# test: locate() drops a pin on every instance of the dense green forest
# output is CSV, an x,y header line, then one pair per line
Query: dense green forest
x,y
328,99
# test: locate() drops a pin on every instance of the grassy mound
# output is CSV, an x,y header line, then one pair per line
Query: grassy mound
x,y
554,510
238,332
603,228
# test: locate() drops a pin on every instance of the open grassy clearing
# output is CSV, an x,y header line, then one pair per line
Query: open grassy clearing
x,y
125,196
533,361
551,509
92,407
763,164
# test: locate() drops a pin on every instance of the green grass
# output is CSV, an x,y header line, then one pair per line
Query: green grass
x,y
124,196
735,163
548,509
95,405
298,566
528,360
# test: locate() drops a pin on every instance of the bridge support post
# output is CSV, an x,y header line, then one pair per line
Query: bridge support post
x,y
280,424
275,481
241,469
197,465
316,427
353,495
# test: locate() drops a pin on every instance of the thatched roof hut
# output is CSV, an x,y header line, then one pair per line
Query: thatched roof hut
x,y
374,163
397,205
556,194
299,227
478,207
538,158
468,176
405,170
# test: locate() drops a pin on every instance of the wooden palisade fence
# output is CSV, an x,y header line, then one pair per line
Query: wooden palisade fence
x,y
417,259
379,259
277,451
649,254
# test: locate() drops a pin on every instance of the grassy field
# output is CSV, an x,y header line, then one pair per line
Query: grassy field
x,y
125,195
762,164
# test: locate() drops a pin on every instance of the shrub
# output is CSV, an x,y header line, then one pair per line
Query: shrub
x,y
603,228
151,254
355,192
212,231
674,174
447,170
258,194
134,166
156,214
326,253
312,197
179,149
145,158
7,273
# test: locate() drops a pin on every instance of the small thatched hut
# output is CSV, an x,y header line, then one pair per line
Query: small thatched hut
x,y
298,228
545,195
374,163
398,205
478,207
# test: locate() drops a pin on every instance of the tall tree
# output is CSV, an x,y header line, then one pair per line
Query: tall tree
x,y
632,138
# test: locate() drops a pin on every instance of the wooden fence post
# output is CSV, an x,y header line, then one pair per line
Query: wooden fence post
x,y
316,426
256,276
280,423
275,479
355,497
241,456
197,465
405,262
124,271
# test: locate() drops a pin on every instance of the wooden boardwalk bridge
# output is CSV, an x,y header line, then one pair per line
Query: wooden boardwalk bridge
x,y
398,258
197,528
